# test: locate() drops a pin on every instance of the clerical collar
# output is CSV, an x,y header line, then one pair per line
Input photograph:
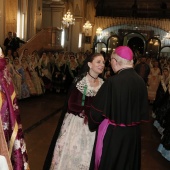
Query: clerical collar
x,y
123,69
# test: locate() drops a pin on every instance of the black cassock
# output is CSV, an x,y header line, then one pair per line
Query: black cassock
x,y
123,100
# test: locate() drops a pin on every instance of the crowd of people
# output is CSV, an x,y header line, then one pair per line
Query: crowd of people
x,y
99,107
161,109
13,152
33,74
156,74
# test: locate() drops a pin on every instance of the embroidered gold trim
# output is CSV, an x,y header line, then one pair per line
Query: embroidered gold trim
x,y
13,137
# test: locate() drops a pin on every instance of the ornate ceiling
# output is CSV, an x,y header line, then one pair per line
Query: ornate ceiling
x,y
133,8
128,8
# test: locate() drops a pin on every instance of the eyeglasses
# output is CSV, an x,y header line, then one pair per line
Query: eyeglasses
x,y
112,58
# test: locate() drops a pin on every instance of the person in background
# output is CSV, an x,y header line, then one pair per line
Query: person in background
x,y
15,54
143,69
45,71
116,113
74,145
153,81
16,41
21,88
10,56
8,42
161,93
11,122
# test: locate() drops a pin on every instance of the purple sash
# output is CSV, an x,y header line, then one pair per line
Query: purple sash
x,y
101,133
99,144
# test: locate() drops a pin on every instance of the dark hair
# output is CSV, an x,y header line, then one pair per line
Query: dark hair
x,y
85,68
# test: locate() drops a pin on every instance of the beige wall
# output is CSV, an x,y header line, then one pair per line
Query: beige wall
x,y
38,17
52,17
57,15
11,8
46,18
8,18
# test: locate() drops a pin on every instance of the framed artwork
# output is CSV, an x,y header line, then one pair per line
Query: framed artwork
x,y
87,39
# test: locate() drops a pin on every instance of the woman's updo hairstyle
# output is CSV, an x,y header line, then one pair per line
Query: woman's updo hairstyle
x,y
85,68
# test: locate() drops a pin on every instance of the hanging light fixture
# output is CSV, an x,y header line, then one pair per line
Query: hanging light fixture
x,y
87,25
156,43
167,36
68,19
99,34
151,41
99,31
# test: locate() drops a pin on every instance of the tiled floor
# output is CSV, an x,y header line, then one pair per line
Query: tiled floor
x,y
40,116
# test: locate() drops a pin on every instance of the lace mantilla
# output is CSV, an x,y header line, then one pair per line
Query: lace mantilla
x,y
91,91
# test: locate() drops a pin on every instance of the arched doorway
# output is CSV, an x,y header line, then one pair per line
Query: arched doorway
x,y
136,41
136,44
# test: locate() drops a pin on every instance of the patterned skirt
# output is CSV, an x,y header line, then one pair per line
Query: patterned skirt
x,y
74,146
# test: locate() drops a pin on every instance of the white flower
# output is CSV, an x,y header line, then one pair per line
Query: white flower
x,y
5,126
25,165
17,144
23,148
7,112
15,106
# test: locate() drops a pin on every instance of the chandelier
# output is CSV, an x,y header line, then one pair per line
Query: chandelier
x,y
167,36
99,31
68,19
87,25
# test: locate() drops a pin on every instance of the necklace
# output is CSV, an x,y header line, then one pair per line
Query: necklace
x,y
92,76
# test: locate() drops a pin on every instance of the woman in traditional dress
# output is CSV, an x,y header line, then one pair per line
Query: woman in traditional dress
x,y
80,59
22,90
36,55
58,74
11,122
162,88
51,58
25,54
28,79
72,70
46,75
35,75
162,115
163,119
15,54
73,148
10,56
153,81
9,67
16,80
